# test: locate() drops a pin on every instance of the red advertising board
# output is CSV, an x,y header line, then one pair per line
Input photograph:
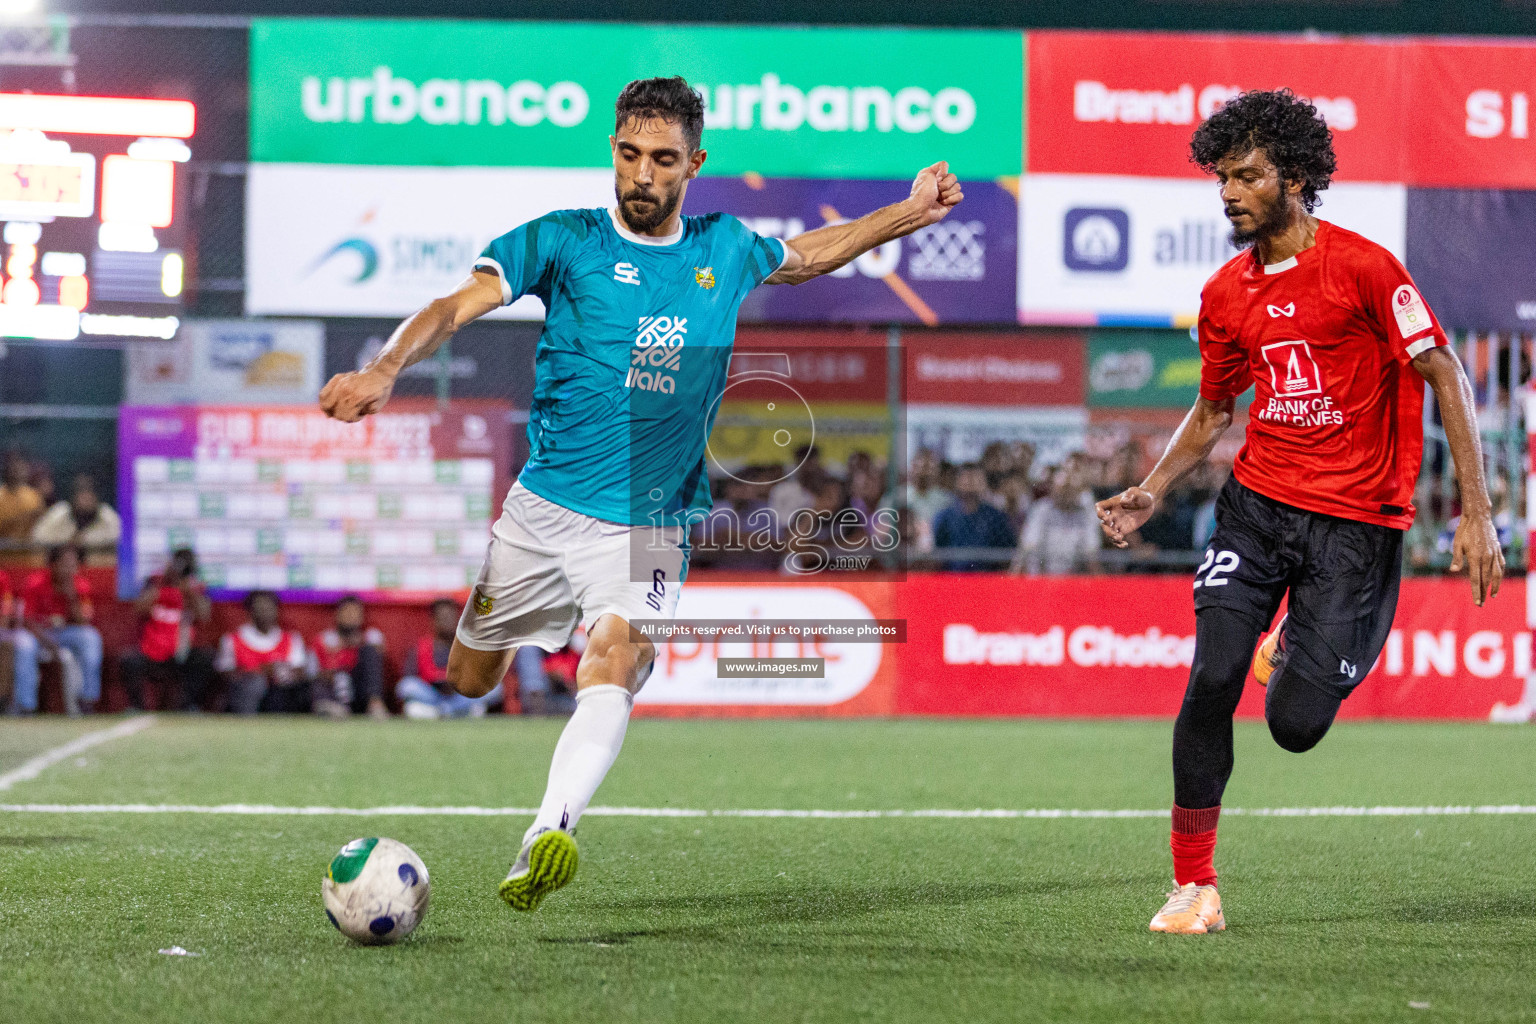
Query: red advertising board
x,y
1042,368
1092,646
827,364
1468,120
1127,102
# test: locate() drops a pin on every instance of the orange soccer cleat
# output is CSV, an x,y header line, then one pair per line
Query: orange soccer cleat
x,y
1191,910
1269,656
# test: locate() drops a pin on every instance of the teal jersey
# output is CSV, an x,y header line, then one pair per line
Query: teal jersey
x,y
633,358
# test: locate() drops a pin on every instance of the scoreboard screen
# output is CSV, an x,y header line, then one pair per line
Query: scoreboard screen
x,y
396,508
90,233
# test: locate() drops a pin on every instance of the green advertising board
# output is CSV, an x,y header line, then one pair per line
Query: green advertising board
x,y
781,102
1133,369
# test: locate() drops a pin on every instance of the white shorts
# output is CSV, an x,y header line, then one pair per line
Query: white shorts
x,y
548,568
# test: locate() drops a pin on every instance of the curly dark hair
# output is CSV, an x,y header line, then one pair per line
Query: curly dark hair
x,y
1289,130
670,99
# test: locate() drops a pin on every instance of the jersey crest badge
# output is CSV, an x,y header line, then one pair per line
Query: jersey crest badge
x,y
483,602
704,276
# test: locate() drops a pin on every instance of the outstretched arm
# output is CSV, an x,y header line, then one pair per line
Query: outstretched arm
x,y
934,193
351,396
1476,544
1126,512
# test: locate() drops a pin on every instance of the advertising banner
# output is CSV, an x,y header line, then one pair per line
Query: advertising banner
x,y
961,368
396,507
997,645
237,362
384,241
1127,102
960,270
1134,251
960,433
1470,253
1470,117
859,678
1143,369
790,102
484,359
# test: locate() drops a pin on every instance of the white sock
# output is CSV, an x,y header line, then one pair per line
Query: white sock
x,y
586,751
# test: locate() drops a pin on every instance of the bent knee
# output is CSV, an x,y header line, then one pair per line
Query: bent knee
x,y
1298,737
467,682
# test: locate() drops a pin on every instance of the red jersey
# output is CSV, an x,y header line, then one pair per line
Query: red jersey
x,y
427,668
248,649
1326,339
45,604
167,632
333,655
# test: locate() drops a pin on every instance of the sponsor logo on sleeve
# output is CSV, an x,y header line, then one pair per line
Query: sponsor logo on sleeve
x,y
1411,313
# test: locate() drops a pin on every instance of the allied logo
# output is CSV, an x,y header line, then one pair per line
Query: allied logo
x,y
1292,370
1096,239
1289,309
626,273
482,602
658,353
1347,669
704,277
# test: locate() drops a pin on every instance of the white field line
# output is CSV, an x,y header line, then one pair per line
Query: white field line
x,y
33,768
679,812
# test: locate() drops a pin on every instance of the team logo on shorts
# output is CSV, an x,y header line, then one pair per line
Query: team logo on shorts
x,y
705,276
482,603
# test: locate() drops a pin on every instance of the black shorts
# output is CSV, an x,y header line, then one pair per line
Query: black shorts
x,y
1342,577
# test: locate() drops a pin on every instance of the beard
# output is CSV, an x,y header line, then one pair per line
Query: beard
x,y
1268,220
644,210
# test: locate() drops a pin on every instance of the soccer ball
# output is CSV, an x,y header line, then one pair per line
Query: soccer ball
x,y
376,891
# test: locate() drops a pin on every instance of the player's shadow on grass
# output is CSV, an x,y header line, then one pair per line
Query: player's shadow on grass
x,y
726,913
1462,908
28,841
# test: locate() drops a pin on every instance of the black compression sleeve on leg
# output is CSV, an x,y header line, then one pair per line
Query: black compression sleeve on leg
x,y
1299,712
1202,735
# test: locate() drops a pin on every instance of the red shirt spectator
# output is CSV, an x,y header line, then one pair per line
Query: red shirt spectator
x,y
45,603
248,649
334,653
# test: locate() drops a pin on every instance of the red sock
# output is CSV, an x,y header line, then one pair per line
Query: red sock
x,y
1193,841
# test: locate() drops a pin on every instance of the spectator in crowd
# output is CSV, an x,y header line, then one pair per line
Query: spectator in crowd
x,y
84,520
1421,541
18,655
20,506
262,663
922,497
1016,496
969,521
349,665
57,606
424,688
170,607
546,683
798,490
996,463
1061,533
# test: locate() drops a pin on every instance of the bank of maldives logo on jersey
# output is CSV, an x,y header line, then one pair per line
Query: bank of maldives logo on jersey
x,y
657,355
1292,370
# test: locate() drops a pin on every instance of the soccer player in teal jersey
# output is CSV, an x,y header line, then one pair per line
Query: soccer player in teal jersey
x,y
640,318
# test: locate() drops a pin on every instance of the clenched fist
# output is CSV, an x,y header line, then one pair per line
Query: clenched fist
x,y
935,192
351,396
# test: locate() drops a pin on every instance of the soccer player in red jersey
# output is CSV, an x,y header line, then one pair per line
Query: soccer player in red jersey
x,y
1329,330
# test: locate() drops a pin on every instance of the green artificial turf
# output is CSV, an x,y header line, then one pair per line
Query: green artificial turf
x,y
771,919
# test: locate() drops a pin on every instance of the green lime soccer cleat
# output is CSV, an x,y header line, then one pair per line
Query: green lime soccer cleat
x,y
547,863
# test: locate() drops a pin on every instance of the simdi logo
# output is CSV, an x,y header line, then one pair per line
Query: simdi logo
x,y
1095,101
384,99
